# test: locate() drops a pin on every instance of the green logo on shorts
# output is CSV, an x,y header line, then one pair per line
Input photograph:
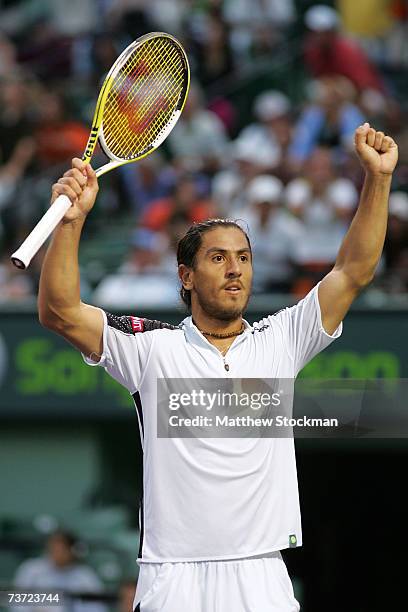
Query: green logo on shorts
x,y
292,541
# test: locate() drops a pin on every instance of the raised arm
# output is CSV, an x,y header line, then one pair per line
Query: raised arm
x,y
59,304
362,246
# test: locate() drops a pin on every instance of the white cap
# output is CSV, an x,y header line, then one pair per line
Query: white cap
x,y
342,194
321,18
399,205
297,194
257,151
264,188
373,101
270,105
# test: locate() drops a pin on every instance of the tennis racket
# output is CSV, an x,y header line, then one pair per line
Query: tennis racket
x,y
139,104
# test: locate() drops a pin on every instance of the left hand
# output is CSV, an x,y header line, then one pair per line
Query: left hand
x,y
377,153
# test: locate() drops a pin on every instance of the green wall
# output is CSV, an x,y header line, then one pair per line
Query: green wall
x,y
40,374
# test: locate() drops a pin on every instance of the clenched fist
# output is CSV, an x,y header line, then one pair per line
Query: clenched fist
x,y
81,186
378,153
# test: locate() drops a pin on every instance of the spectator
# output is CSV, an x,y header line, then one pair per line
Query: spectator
x,y
396,244
324,203
15,167
17,149
396,53
60,570
11,175
7,56
273,128
45,51
146,181
374,106
185,204
329,121
130,18
221,36
247,18
58,138
277,12
145,256
249,158
15,122
168,16
199,141
213,53
14,286
92,56
144,279
328,53
274,234
80,19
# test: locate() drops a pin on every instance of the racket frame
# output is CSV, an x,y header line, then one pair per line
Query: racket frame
x,y
22,257
96,134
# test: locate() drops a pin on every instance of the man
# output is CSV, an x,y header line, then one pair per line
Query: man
x,y
328,52
275,234
61,571
216,512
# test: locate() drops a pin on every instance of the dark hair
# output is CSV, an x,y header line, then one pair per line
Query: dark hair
x,y
189,245
66,536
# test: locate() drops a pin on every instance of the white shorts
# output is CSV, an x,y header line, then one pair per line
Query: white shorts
x,y
257,584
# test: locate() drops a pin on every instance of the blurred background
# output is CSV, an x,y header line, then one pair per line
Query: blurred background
x,y
279,87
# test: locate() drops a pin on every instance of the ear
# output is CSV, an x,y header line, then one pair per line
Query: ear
x,y
186,276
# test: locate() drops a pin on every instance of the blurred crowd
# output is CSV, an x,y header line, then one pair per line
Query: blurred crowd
x,y
286,167
72,585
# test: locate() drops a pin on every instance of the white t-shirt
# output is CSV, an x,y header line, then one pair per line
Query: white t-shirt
x,y
207,498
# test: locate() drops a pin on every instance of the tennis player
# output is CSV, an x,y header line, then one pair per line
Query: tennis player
x,y
216,512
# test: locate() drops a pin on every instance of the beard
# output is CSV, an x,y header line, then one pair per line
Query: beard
x,y
221,313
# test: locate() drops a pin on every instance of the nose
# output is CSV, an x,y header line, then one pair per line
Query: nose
x,y
233,269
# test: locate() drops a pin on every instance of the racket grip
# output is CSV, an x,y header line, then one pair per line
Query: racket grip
x,y
46,225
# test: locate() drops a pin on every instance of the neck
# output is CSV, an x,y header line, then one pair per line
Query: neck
x,y
212,325
224,335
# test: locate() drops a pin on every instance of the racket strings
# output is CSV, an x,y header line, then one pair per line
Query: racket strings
x,y
151,104
138,121
143,99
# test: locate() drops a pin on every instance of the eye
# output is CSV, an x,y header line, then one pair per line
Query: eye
x,y
217,258
244,258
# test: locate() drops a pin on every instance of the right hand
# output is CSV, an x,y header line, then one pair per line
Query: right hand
x,y
81,186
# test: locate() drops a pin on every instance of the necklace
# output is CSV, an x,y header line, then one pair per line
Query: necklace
x,y
222,336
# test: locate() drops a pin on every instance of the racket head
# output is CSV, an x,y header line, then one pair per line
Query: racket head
x,y
141,99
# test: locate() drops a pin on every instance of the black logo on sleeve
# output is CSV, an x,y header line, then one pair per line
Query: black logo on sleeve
x,y
259,329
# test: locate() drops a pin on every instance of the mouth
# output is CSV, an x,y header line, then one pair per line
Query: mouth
x,y
233,289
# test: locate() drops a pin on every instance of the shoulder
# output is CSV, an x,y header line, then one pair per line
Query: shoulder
x,y
269,323
285,317
132,325
31,569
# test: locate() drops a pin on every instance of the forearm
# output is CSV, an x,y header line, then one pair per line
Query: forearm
x,y
59,290
362,246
